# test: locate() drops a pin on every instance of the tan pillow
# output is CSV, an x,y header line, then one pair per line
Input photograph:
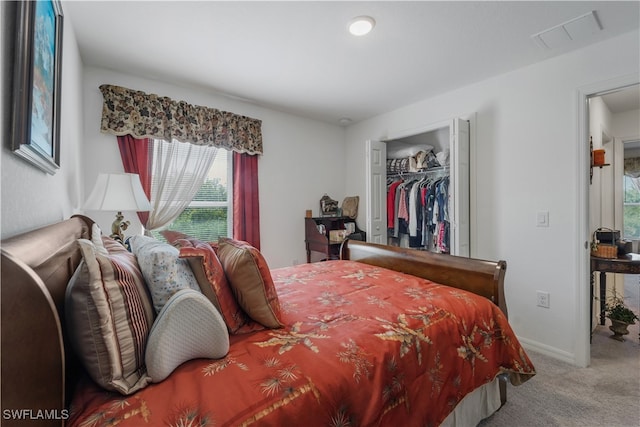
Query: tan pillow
x,y
251,281
109,315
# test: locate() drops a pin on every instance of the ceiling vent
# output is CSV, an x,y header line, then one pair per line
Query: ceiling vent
x,y
574,29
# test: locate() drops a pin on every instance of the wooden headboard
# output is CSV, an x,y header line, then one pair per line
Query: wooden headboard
x,y
37,373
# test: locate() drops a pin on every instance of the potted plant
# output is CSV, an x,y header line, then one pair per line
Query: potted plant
x,y
621,317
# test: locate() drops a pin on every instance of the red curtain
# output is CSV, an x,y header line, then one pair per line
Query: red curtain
x,y
246,212
136,158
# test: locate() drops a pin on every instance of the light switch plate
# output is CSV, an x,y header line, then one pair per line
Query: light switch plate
x,y
542,219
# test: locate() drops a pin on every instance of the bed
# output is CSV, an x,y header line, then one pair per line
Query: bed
x,y
383,336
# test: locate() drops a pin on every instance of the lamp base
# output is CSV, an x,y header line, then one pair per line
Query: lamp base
x,y
118,226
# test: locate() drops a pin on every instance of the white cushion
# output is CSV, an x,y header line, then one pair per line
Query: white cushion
x,y
96,239
188,327
164,272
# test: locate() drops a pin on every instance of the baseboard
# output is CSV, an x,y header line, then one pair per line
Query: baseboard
x,y
548,351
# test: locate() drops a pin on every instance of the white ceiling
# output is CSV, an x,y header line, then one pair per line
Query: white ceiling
x,y
626,99
297,56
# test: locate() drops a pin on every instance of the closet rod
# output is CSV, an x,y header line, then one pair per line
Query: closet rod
x,y
437,169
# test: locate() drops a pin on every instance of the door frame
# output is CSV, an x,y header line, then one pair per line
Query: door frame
x,y
471,118
583,342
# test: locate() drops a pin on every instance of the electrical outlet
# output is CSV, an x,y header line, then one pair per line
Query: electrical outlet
x,y
543,299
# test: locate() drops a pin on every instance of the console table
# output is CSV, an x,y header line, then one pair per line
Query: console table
x,y
318,235
625,264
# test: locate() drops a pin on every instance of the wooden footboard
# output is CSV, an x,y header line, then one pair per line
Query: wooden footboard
x,y
485,278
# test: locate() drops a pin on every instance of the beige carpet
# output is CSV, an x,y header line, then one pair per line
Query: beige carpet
x,y
607,393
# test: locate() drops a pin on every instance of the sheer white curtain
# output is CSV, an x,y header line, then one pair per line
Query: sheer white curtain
x,y
178,171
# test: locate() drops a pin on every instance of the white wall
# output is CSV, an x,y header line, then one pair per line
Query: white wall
x,y
525,161
30,197
600,190
626,125
303,159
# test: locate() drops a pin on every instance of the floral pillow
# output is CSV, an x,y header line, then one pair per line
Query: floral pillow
x,y
164,271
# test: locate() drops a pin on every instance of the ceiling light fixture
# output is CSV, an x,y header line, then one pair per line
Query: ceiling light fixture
x,y
361,25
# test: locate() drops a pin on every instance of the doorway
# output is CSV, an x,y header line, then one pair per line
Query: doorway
x,y
628,216
608,116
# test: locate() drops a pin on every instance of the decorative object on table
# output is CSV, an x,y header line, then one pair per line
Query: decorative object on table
x,y
328,206
35,120
621,317
625,246
118,192
350,206
337,235
604,243
308,213
350,227
607,235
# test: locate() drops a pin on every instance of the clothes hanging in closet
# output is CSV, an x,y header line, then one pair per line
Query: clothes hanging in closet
x,y
418,208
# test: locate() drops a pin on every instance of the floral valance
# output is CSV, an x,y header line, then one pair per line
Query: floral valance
x,y
142,115
632,167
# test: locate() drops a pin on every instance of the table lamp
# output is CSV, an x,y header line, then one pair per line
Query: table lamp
x,y
118,192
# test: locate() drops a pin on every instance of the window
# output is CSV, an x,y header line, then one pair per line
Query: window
x,y
631,209
209,215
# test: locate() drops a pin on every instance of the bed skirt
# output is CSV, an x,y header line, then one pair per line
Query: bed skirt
x,y
476,406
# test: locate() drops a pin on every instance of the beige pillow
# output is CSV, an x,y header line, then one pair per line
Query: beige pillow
x,y
251,281
109,315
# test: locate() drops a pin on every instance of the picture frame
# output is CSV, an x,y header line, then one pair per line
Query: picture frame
x,y
35,124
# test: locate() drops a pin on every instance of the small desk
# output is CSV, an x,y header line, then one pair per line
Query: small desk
x,y
625,264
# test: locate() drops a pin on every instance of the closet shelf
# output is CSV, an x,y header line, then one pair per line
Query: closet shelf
x,y
437,169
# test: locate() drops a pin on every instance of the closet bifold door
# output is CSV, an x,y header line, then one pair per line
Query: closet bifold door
x,y
460,230
376,204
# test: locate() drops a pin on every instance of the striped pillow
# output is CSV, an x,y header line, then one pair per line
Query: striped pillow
x,y
109,315
251,281
214,285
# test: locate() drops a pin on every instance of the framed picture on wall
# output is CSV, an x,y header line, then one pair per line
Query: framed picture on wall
x,y
35,127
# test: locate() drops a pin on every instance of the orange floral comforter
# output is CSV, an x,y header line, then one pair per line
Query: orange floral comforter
x,y
362,346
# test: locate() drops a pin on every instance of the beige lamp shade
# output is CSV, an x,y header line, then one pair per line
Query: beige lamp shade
x,y
118,192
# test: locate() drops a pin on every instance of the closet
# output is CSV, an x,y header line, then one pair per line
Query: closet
x,y
418,188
